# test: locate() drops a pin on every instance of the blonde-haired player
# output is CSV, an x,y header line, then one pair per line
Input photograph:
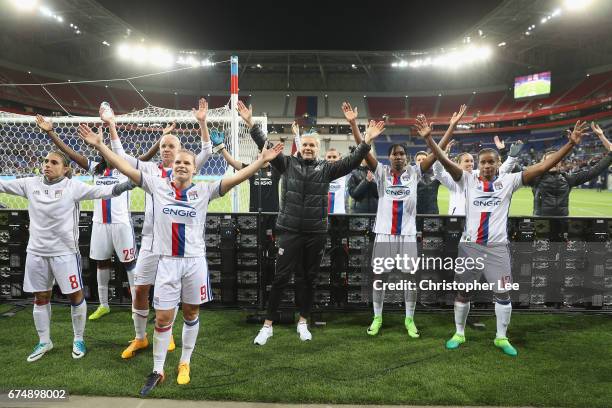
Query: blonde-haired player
x,y
178,241
146,265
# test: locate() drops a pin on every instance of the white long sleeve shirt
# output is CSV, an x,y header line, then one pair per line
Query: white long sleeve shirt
x,y
54,211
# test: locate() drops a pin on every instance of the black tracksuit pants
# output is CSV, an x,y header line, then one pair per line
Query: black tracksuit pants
x,y
299,254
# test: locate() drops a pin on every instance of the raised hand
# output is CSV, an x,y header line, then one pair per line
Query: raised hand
x,y
107,115
370,176
449,146
458,115
295,128
500,144
169,129
202,111
270,154
44,124
349,113
423,127
516,148
374,130
600,134
89,136
579,130
245,113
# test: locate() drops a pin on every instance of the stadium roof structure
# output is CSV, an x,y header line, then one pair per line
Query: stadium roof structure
x,y
569,45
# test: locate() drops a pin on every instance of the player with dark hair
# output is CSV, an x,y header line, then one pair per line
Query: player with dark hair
x,y
485,237
53,246
112,229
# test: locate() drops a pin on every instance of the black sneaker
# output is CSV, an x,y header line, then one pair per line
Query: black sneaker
x,y
152,380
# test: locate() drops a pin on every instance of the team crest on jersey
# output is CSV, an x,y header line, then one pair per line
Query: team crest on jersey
x,y
192,195
58,193
405,177
36,192
498,185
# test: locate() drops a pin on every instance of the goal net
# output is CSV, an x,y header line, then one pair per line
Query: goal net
x,y
23,146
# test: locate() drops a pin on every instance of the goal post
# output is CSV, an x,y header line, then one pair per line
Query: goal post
x,y
23,146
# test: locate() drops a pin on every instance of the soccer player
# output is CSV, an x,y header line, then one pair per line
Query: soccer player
x,y
146,264
302,220
336,197
485,237
178,241
395,226
112,229
53,247
456,202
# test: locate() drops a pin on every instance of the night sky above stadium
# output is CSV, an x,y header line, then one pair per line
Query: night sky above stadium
x,y
305,25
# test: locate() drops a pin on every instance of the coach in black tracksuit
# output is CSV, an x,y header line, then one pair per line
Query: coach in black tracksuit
x,y
302,219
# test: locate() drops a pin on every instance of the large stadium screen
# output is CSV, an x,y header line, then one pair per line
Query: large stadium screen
x,y
532,85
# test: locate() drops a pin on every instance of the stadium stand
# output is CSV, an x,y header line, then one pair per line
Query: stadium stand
x,y
421,104
484,103
394,107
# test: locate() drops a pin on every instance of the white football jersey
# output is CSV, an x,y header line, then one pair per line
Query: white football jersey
x,y
487,204
336,196
114,210
157,170
179,215
456,201
397,197
54,211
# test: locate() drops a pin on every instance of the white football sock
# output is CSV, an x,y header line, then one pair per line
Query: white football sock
x,y
103,279
461,313
190,335
410,298
130,275
42,321
161,340
502,313
79,315
140,322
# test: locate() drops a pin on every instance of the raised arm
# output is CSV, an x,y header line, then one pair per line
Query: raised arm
x,y
108,117
265,156
200,114
230,160
116,161
511,161
149,154
350,114
427,162
582,177
280,161
424,131
352,161
47,126
538,169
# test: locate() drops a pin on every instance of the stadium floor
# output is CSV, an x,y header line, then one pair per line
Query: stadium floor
x,y
563,361
104,402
